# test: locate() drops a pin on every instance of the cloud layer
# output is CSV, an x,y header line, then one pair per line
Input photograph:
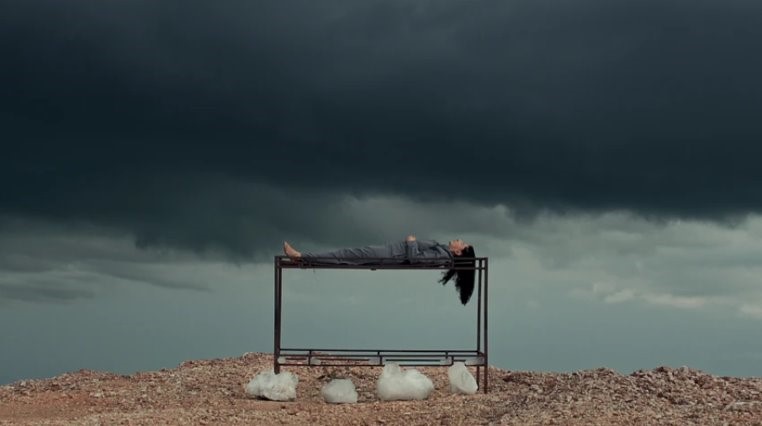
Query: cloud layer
x,y
127,114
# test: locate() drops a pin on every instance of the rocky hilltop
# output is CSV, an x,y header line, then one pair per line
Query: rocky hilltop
x,y
211,392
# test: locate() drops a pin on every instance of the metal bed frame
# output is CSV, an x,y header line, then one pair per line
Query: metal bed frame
x,y
338,357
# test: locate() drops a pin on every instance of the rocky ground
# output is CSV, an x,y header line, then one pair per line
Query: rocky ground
x,y
211,392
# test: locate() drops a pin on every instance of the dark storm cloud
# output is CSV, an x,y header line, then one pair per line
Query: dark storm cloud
x,y
54,263
121,113
30,293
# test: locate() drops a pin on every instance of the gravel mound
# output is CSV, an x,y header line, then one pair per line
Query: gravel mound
x,y
211,392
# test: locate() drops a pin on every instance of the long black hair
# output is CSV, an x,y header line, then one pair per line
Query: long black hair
x,y
464,278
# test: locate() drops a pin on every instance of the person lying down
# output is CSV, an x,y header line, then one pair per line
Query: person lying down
x,y
411,250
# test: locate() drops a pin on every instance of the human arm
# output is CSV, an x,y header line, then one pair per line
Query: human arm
x,y
416,250
411,248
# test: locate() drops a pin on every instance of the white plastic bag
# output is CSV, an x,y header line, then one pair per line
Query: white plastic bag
x,y
275,387
461,380
398,384
339,391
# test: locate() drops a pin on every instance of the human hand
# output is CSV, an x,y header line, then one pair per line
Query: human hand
x,y
410,238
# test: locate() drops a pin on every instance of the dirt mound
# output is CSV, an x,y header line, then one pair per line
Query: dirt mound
x,y
211,392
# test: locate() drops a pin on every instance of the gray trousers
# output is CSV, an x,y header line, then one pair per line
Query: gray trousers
x,y
358,256
391,253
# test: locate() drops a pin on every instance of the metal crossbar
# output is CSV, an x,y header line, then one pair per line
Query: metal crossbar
x,y
311,357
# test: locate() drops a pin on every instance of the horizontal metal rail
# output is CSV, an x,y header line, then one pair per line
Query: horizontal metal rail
x,y
378,358
374,263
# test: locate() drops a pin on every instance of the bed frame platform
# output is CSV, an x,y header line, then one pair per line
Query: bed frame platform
x,y
327,357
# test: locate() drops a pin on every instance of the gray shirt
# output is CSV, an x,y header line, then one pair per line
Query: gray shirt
x,y
416,251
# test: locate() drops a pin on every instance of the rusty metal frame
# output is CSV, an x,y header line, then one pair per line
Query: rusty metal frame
x,y
312,357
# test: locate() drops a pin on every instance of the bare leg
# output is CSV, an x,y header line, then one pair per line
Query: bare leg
x,y
290,251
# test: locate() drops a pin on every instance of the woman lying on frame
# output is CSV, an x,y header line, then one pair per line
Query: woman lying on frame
x,y
410,250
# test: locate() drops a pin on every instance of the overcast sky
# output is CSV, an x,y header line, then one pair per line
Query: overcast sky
x,y
603,154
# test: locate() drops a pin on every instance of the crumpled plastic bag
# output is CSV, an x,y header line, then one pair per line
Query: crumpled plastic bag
x,y
396,384
461,380
275,387
339,391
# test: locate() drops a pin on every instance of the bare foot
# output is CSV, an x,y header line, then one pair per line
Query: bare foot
x,y
290,252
